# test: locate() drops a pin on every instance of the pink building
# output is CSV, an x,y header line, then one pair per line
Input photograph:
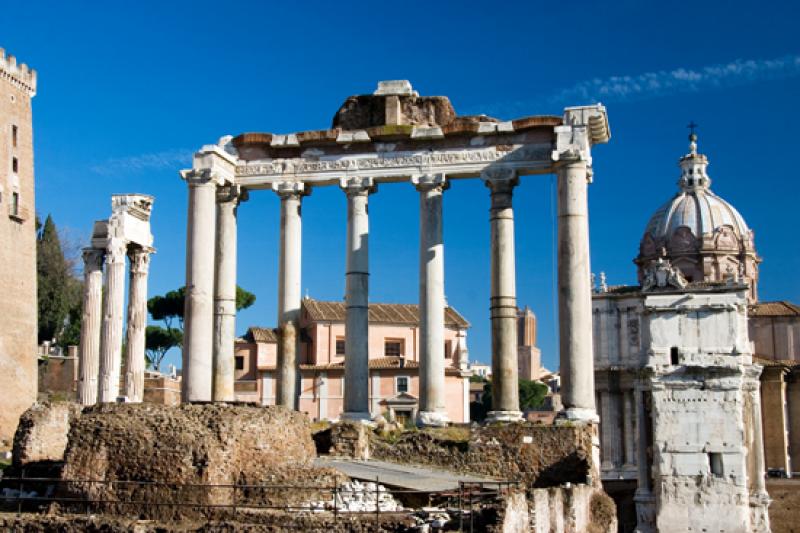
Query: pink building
x,y
393,361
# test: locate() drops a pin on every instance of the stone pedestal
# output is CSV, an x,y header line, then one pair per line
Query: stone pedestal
x,y
503,299
91,319
199,313
137,324
228,198
289,291
432,409
111,330
356,384
575,291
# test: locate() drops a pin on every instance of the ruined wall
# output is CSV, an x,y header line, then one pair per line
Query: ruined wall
x,y
539,456
42,432
188,444
58,378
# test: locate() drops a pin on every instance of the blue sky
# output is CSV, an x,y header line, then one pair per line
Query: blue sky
x,y
128,90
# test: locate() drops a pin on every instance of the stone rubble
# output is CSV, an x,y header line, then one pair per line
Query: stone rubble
x,y
357,497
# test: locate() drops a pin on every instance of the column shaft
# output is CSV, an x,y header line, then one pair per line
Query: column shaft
x,y
225,296
432,409
199,306
575,292
89,361
356,385
137,324
503,300
289,292
111,330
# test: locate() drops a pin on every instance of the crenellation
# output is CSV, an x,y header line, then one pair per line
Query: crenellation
x,y
21,75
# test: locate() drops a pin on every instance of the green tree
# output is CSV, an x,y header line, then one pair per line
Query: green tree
x,y
58,290
158,341
169,308
531,395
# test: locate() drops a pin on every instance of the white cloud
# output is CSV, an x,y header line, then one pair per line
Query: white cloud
x,y
177,158
680,80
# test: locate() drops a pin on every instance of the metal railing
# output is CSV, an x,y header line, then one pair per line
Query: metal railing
x,y
245,501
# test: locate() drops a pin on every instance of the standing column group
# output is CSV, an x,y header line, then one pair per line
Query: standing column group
x,y
102,323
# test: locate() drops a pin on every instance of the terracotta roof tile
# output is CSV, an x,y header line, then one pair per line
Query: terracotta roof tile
x,y
378,313
766,361
781,308
256,334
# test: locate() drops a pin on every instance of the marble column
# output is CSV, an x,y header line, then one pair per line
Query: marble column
x,y
503,299
356,370
89,361
228,198
575,291
289,291
199,306
629,418
137,324
111,329
432,409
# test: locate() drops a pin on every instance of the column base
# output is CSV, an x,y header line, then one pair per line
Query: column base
x,y
432,419
580,414
357,416
504,416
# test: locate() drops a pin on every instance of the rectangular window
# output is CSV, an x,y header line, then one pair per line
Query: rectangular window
x,y
14,165
401,384
393,347
339,346
715,464
15,204
239,362
448,349
674,355
14,135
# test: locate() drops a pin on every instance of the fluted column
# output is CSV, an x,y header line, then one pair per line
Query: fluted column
x,y
111,330
432,409
199,306
228,198
575,291
356,371
289,291
137,323
503,299
91,319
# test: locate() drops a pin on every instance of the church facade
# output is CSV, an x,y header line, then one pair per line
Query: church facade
x,y
676,383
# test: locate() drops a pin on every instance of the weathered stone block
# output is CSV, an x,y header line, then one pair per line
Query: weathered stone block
x,y
42,432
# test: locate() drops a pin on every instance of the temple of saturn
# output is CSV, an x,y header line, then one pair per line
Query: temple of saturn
x,y
393,135
126,232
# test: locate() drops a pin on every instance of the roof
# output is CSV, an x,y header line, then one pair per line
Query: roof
x,y
256,334
379,313
780,308
378,363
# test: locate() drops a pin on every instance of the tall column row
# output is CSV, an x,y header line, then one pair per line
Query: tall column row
x,y
100,363
211,293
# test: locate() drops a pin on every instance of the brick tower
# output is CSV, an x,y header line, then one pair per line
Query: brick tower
x,y
18,250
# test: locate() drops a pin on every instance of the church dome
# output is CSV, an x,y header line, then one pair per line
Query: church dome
x,y
699,232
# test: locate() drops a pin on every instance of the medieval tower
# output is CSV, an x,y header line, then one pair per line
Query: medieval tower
x,y
18,250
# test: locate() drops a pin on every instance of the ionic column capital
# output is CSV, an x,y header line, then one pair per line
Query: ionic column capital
x,y
500,180
356,186
430,182
230,193
93,258
198,177
290,189
140,260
